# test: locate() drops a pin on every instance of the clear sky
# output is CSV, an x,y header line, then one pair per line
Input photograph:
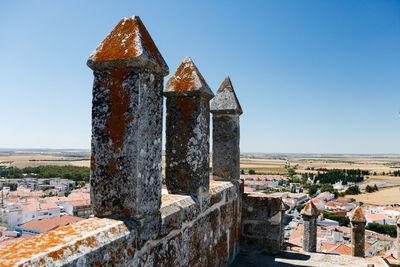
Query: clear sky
x,y
311,76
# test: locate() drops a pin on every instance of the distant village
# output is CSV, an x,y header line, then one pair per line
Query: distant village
x,y
35,205
332,236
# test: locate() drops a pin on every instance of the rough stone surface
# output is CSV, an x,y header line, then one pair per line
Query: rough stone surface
x,y
310,210
225,101
358,216
130,45
226,149
210,238
187,131
290,259
226,133
127,112
309,233
262,223
187,80
310,214
126,143
358,222
357,239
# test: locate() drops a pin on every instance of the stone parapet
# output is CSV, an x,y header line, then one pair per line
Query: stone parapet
x,y
188,237
262,223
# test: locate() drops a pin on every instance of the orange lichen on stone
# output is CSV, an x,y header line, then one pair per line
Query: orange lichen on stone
x,y
358,216
170,198
187,106
92,163
127,40
185,77
310,210
119,98
63,242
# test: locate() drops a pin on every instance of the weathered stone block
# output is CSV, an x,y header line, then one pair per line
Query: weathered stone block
x,y
127,112
258,206
309,214
261,243
171,218
358,222
187,131
262,224
226,133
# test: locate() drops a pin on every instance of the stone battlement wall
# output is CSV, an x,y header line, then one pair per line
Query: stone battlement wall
x,y
189,234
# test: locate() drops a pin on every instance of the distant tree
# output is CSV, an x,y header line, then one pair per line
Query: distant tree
x,y
312,190
291,172
45,188
81,183
383,229
376,188
342,219
242,171
369,189
327,188
353,190
67,193
251,171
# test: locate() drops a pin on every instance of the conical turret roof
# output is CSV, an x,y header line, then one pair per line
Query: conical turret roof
x,y
187,79
310,210
225,101
128,45
358,216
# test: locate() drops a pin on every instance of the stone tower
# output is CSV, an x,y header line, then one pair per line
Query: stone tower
x,y
358,222
226,110
127,112
310,214
187,131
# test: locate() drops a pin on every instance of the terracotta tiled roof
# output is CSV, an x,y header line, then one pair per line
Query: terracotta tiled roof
x,y
51,223
377,217
341,249
37,204
344,199
327,247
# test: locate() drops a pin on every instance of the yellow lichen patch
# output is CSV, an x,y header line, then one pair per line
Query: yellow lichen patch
x,y
58,244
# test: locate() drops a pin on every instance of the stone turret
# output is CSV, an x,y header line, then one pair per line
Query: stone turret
x,y
358,222
310,214
226,110
127,112
187,131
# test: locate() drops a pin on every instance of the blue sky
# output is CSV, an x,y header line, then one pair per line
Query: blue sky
x,y
311,76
